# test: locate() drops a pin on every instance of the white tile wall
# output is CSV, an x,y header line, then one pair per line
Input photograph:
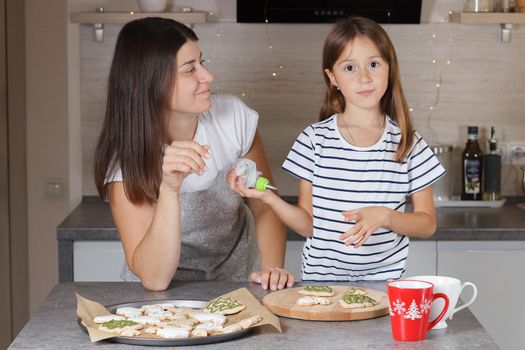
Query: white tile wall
x,y
483,85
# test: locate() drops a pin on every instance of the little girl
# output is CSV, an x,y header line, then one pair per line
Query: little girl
x,y
357,165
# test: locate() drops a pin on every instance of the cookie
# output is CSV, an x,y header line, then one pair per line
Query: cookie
x,y
224,306
173,332
356,291
145,320
356,301
107,318
209,317
117,326
318,291
129,311
311,300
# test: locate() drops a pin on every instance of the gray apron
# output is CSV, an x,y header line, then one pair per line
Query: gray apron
x,y
218,236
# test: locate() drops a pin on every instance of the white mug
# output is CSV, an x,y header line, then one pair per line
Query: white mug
x,y
452,288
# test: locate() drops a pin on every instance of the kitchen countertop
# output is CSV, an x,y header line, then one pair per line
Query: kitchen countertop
x,y
54,324
91,221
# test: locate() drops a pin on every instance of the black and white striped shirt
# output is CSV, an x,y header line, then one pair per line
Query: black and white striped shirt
x,y
345,177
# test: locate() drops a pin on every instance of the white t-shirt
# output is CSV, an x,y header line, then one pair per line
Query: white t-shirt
x,y
228,128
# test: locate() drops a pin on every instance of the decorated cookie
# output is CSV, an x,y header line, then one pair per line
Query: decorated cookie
x,y
318,291
225,306
356,290
311,300
145,320
356,301
107,318
209,317
129,311
173,332
116,326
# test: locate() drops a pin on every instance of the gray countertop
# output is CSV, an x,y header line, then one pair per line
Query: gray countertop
x,y
54,325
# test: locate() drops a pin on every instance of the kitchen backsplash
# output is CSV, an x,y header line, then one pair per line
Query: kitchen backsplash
x,y
481,82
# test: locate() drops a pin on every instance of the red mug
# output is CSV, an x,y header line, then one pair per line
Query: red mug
x,y
410,302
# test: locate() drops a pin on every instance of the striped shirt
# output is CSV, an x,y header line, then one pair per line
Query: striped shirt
x,y
345,177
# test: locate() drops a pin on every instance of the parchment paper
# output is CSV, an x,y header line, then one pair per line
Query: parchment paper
x,y
87,310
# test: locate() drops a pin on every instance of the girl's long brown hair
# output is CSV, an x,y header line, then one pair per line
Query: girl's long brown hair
x,y
140,83
393,102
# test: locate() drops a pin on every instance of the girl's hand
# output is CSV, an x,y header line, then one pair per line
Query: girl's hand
x,y
182,158
237,184
274,277
367,221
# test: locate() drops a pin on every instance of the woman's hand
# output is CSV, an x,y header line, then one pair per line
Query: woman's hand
x,y
274,278
182,158
367,221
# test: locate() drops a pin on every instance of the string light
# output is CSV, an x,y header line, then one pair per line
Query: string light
x,y
131,12
439,70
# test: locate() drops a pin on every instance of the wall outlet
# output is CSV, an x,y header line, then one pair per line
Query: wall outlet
x,y
512,152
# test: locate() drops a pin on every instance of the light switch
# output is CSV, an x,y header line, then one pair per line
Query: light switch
x,y
55,189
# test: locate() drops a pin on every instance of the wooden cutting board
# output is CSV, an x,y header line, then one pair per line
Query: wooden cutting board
x,y
283,303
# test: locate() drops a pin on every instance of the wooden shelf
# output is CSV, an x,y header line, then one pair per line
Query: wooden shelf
x,y
488,17
124,17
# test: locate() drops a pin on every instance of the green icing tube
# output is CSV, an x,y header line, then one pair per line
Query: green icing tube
x,y
246,169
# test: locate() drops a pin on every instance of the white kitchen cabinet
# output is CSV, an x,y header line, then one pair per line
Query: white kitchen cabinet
x,y
101,261
421,258
495,267
293,258
97,261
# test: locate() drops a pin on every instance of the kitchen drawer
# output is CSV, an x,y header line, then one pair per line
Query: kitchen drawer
x,y
495,267
97,261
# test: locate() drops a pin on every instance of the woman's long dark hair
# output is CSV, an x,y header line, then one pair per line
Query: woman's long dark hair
x,y
139,93
393,102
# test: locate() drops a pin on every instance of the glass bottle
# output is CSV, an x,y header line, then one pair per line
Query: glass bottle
x,y
472,161
492,170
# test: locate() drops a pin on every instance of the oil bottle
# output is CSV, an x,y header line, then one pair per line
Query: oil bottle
x,y
492,170
472,164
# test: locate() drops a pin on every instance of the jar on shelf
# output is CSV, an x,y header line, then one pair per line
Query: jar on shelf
x,y
479,6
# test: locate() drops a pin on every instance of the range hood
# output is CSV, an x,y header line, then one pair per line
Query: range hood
x,y
327,11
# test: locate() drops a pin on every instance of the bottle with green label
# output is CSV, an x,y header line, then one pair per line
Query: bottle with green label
x,y
472,165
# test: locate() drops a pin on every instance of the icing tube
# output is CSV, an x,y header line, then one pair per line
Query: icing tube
x,y
247,169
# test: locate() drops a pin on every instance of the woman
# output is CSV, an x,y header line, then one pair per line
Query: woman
x,y
161,161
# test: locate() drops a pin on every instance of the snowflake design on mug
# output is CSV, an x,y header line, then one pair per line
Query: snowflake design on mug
x,y
399,306
425,306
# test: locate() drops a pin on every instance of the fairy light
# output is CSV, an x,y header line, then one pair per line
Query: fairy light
x,y
131,12
278,68
440,60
